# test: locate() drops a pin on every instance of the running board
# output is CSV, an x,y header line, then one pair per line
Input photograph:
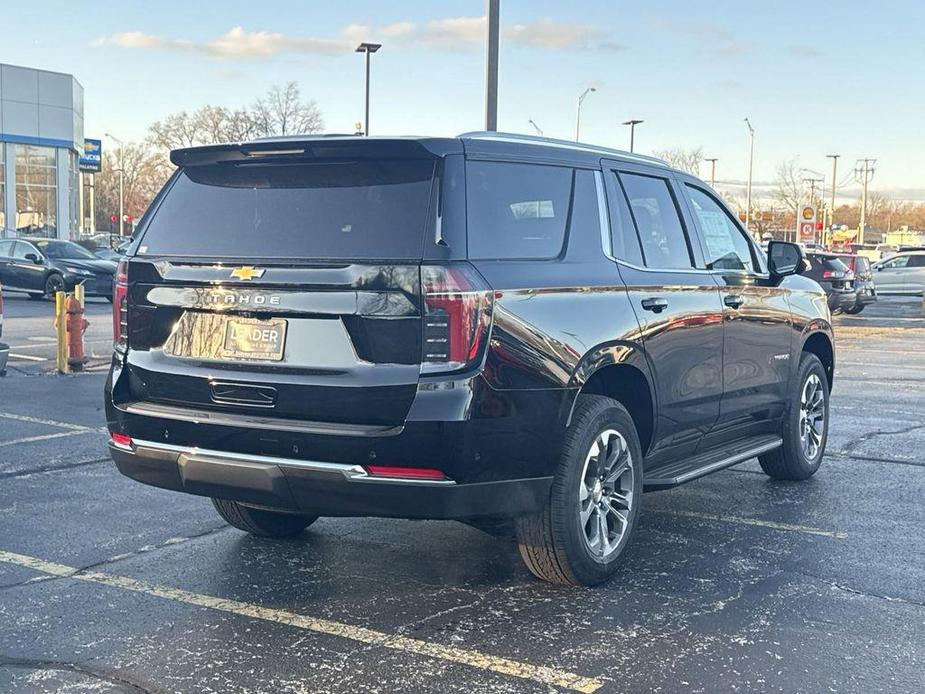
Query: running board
x,y
673,474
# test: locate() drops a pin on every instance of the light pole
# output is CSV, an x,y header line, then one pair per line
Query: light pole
x,y
121,181
492,49
633,122
581,98
712,171
368,49
748,189
834,158
539,131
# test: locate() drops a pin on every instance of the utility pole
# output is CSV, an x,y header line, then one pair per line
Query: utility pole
x,y
581,99
492,39
633,122
863,173
712,161
748,189
121,182
834,158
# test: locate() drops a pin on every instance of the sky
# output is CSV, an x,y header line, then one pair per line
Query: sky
x,y
813,77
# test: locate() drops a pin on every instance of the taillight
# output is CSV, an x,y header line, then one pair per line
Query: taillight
x,y
457,317
832,275
120,306
406,473
121,440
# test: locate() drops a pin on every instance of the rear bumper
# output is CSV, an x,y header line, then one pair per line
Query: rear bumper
x,y
841,299
321,488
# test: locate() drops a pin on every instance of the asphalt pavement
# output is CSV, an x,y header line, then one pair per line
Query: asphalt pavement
x,y
732,583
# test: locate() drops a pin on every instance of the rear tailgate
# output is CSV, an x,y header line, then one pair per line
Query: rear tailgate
x,y
282,291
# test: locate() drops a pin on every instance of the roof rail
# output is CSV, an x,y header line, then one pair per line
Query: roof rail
x,y
553,142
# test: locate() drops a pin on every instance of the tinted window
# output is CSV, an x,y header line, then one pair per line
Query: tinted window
x,y
21,249
624,239
64,250
916,261
897,262
726,245
664,243
6,248
516,210
361,209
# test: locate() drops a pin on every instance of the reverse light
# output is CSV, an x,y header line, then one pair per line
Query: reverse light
x,y
120,306
457,317
406,473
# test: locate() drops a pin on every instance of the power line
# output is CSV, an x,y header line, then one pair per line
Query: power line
x,y
863,174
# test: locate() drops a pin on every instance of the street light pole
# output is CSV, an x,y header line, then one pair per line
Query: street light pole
x,y
751,161
834,158
539,131
492,41
581,98
633,122
712,161
121,182
368,49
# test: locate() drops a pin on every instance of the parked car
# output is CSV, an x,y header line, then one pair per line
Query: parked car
x,y
474,328
42,267
865,292
903,273
835,278
4,348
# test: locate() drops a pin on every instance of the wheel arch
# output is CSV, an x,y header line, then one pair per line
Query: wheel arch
x,y
620,371
821,344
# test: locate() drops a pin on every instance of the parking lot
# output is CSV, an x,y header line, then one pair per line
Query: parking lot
x,y
732,583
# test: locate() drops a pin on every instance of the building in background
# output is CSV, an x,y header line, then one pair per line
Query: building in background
x,y
41,136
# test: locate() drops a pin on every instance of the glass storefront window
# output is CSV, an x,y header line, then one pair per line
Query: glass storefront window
x,y
73,176
2,188
36,191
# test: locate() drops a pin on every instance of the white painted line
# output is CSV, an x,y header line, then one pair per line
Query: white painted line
x,y
834,534
49,422
26,357
45,437
41,345
536,673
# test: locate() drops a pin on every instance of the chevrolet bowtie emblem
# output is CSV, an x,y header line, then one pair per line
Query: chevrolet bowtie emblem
x,y
246,272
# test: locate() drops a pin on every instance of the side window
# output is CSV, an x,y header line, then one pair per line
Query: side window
x,y
897,262
916,261
516,210
6,249
20,249
624,241
726,246
664,243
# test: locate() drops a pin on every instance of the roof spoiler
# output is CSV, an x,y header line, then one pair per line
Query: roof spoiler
x,y
319,147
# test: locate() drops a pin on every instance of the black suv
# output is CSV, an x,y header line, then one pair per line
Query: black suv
x,y
478,328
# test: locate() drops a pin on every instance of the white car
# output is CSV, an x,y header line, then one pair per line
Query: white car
x,y
903,273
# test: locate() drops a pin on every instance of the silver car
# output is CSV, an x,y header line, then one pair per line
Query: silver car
x,y
4,349
903,273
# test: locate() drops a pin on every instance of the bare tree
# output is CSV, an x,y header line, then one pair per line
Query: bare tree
x,y
144,177
688,160
788,189
283,112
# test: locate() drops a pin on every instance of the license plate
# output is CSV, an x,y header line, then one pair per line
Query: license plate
x,y
255,339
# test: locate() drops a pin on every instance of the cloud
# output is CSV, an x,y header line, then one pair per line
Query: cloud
x,y
450,33
713,39
804,51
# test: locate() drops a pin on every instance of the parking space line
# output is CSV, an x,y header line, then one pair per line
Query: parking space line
x,y
45,437
536,673
48,422
26,357
834,534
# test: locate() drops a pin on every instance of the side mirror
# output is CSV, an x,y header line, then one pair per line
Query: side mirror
x,y
34,258
785,258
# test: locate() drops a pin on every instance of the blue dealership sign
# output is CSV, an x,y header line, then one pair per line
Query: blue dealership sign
x,y
92,158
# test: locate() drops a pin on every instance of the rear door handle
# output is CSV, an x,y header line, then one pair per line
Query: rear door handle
x,y
655,304
733,300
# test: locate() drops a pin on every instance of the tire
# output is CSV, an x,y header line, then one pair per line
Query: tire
x,y
793,460
259,522
554,543
53,283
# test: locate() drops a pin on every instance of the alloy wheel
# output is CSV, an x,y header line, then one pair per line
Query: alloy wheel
x,y
605,494
812,416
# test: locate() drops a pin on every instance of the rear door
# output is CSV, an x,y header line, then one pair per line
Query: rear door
x,y
677,304
25,272
285,290
890,275
6,258
915,275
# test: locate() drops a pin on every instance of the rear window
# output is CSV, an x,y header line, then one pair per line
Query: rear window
x,y
375,209
516,211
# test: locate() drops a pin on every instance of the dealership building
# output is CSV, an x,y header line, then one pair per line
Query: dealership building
x,y
41,138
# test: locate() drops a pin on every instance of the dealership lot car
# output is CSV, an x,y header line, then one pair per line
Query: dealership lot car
x,y
4,349
865,291
42,267
835,278
903,273
470,328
